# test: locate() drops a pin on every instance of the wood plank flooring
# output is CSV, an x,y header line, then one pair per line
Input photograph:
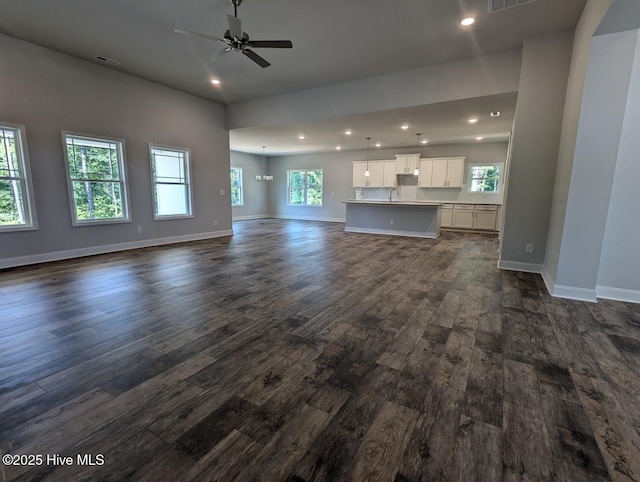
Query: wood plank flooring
x,y
295,351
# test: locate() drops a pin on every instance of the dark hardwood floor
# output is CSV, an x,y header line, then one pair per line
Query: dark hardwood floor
x,y
295,351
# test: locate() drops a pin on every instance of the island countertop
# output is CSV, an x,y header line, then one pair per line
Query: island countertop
x,y
398,202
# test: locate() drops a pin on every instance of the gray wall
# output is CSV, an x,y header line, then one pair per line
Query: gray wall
x,y
620,262
464,79
534,149
48,92
591,17
255,192
338,178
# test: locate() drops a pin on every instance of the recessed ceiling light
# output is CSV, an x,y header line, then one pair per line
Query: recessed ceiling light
x,y
495,113
378,144
473,120
404,127
338,148
467,21
348,133
479,138
424,141
301,138
215,81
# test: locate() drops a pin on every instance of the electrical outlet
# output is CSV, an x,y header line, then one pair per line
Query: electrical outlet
x,y
215,222
392,222
222,192
529,248
139,229
325,211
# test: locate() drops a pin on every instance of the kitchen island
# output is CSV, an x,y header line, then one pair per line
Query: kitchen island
x,y
420,219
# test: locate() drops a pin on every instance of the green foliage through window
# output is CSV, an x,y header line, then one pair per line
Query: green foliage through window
x,y
484,178
14,205
236,187
304,187
97,181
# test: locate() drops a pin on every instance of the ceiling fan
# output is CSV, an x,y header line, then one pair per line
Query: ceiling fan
x,y
235,40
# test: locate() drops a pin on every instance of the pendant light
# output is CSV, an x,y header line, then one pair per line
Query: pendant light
x,y
366,173
264,176
416,172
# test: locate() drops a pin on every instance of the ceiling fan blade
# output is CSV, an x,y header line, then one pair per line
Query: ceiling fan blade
x,y
271,44
196,34
235,26
217,55
256,58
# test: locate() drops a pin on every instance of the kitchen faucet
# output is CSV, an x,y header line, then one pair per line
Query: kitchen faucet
x,y
391,192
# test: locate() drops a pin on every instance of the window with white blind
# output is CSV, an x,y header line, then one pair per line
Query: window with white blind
x,y
97,181
17,210
171,182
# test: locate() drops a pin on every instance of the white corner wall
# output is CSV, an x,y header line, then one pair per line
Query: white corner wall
x,y
534,150
593,14
619,269
604,102
49,92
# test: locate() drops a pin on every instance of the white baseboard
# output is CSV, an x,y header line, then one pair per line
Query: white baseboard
x,y
573,293
388,232
109,248
520,266
252,216
618,294
549,282
308,218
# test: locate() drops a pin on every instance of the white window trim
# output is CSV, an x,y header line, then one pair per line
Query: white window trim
x,y
241,188
500,165
124,181
305,191
29,199
188,177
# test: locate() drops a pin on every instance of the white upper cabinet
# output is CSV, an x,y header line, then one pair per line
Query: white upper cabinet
x,y
390,174
426,173
381,174
407,163
441,172
359,179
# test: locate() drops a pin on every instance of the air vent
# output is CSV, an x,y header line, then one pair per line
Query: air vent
x,y
105,60
495,5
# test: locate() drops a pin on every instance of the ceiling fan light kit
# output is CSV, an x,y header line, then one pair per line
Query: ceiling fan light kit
x,y
236,40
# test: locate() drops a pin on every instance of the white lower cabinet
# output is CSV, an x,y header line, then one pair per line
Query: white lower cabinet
x,y
485,218
447,215
481,217
463,216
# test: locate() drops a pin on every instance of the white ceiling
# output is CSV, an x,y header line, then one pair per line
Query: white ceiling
x,y
333,41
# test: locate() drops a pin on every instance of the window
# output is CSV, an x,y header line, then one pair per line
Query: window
x,y
236,187
171,182
16,192
484,178
96,174
304,188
